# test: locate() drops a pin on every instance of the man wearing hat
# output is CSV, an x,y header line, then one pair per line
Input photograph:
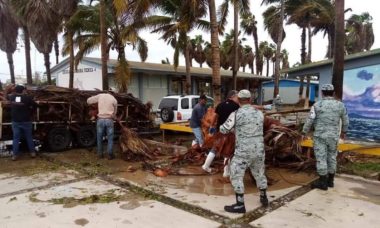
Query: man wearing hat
x,y
22,106
325,116
249,150
223,111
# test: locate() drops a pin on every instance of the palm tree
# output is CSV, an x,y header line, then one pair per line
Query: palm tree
x,y
268,51
273,22
359,35
285,59
215,65
248,24
180,17
247,58
8,34
325,22
19,8
199,55
121,32
242,7
338,64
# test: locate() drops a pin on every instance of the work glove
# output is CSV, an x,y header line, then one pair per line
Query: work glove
x,y
211,130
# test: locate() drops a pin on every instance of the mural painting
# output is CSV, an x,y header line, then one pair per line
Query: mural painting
x,y
361,95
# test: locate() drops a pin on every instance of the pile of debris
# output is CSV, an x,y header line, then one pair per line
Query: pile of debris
x,y
63,104
281,148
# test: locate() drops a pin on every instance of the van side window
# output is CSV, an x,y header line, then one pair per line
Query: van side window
x,y
185,103
194,101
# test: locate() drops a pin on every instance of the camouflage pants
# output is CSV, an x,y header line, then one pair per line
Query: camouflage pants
x,y
257,167
325,151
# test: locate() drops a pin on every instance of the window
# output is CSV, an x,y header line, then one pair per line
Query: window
x,y
169,103
185,103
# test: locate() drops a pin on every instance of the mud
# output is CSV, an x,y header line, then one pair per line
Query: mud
x,y
81,221
216,184
368,192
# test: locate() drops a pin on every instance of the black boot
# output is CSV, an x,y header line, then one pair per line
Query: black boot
x,y
263,197
321,183
238,207
330,181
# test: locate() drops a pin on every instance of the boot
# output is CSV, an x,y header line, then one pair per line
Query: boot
x,y
263,197
330,181
238,207
206,166
321,183
226,170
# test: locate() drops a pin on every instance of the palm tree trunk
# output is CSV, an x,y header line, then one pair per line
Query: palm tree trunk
x,y
338,65
300,91
103,40
71,69
56,49
187,65
310,36
47,67
216,80
257,50
267,67
278,53
236,34
29,80
303,46
11,67
307,97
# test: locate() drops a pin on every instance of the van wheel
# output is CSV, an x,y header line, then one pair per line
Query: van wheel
x,y
86,136
167,114
58,139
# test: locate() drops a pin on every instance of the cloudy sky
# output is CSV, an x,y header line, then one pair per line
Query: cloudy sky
x,y
158,49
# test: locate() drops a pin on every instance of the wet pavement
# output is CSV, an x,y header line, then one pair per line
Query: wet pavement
x,y
75,188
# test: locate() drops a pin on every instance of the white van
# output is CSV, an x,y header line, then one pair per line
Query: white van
x,y
177,108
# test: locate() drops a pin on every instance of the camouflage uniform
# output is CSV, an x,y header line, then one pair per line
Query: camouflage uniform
x,y
325,115
249,148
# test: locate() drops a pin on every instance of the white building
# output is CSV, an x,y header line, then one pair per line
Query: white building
x,y
151,81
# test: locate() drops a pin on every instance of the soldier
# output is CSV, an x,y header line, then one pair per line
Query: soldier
x,y
325,115
249,150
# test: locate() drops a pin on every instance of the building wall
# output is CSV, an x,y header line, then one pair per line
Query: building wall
x,y
154,87
85,78
288,91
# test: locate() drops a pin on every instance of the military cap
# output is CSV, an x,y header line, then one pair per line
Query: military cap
x,y
327,87
244,94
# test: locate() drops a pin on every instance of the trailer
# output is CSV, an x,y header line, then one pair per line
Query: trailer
x,y
63,119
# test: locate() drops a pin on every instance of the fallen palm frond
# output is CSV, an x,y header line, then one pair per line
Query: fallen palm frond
x,y
132,146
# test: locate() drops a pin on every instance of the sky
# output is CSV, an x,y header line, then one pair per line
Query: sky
x,y
159,50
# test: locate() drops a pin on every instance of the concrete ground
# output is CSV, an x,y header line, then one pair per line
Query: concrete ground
x,y
74,188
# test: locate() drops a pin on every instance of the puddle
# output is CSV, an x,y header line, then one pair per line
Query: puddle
x,y
131,205
216,184
81,221
368,192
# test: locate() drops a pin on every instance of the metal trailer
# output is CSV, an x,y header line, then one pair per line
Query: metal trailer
x,y
60,133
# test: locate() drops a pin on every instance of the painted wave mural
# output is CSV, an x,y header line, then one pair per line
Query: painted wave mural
x,y
361,95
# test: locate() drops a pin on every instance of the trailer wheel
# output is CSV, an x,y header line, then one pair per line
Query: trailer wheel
x,y
58,139
86,136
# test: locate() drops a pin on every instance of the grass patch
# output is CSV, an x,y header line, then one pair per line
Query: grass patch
x,y
366,169
107,197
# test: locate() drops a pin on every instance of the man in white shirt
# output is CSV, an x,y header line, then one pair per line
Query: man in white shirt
x,y
107,108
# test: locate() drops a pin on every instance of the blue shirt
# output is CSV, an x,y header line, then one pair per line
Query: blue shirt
x,y
196,116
